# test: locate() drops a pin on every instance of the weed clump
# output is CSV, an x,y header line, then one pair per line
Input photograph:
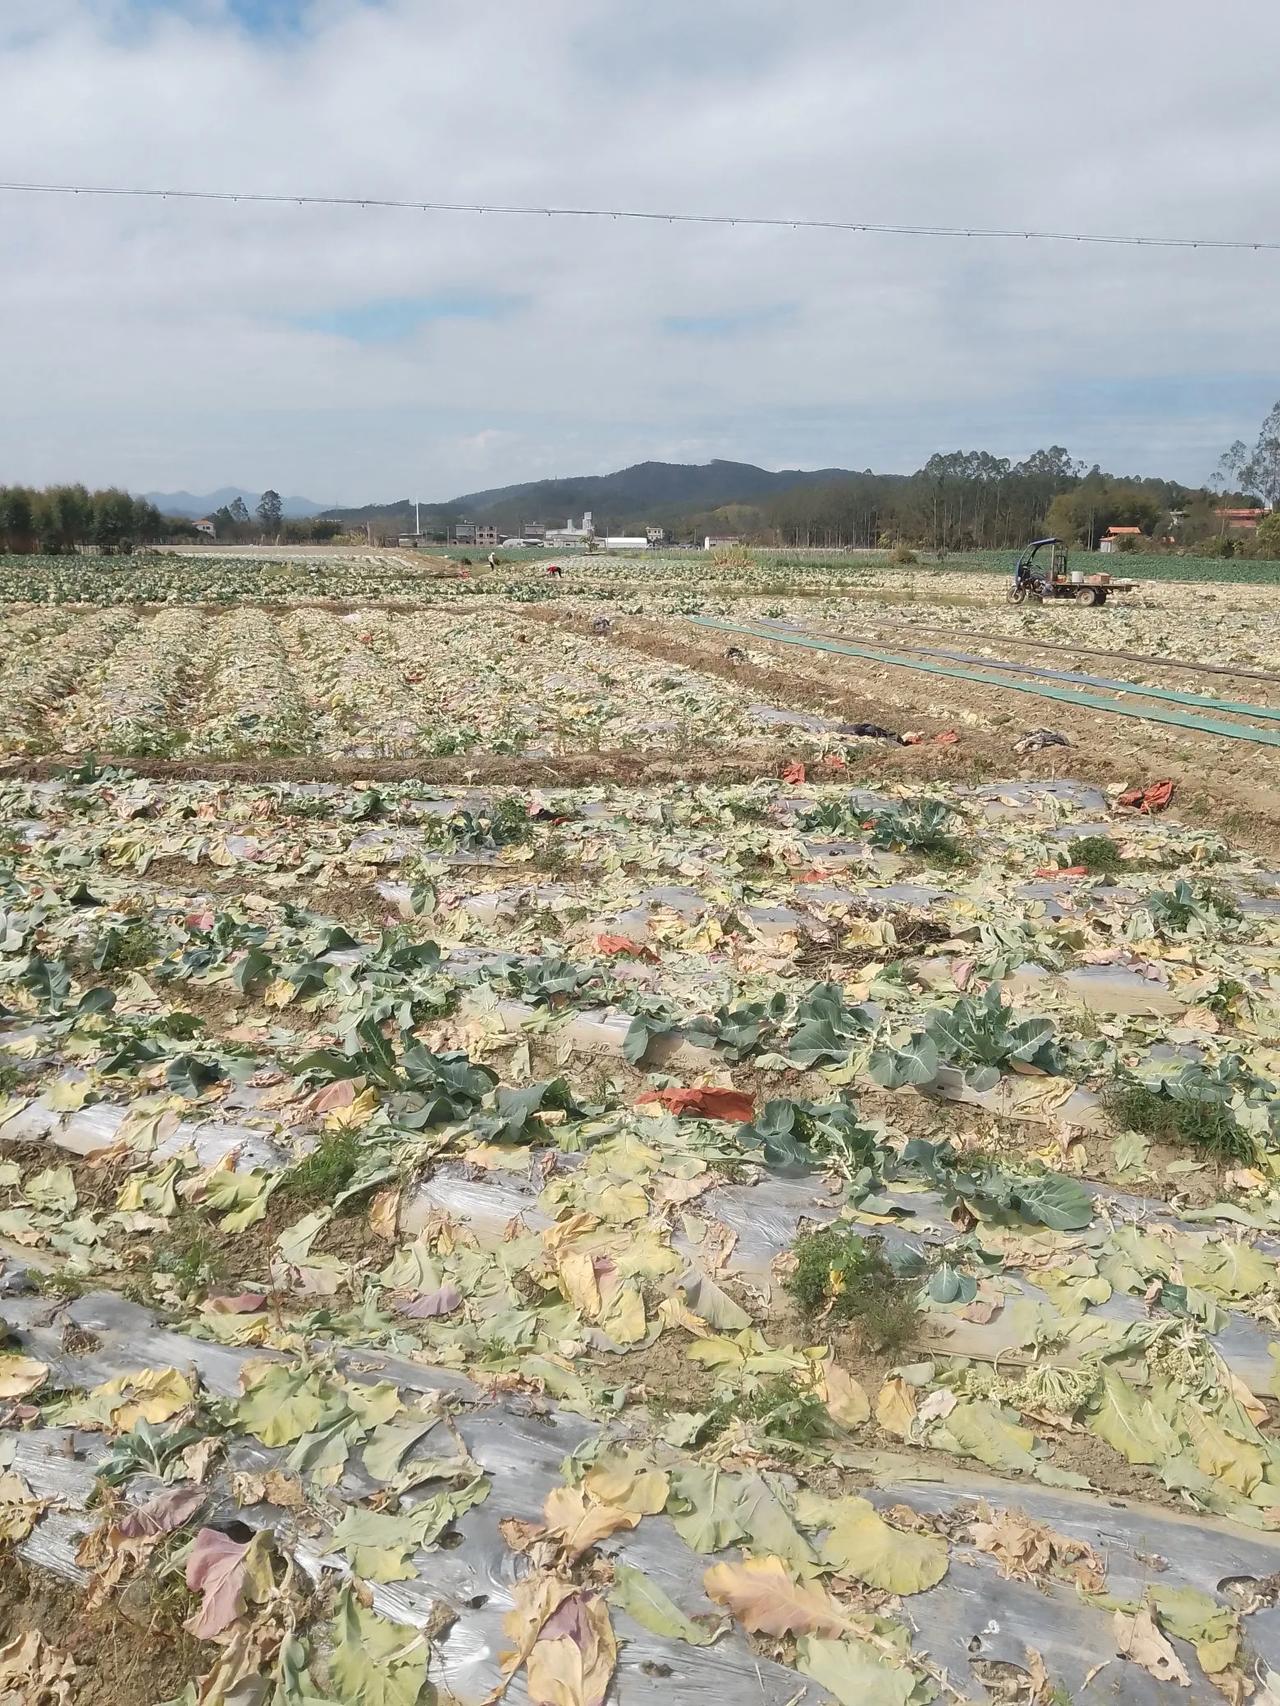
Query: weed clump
x,y
847,1278
190,1255
1097,853
326,1171
1202,1122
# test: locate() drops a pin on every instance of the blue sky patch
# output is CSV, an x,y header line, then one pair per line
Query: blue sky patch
x,y
387,322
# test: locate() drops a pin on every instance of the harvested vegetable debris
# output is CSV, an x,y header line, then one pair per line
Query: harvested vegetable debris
x,y
380,1231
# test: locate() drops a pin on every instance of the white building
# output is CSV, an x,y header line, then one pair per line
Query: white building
x,y
625,542
571,535
206,526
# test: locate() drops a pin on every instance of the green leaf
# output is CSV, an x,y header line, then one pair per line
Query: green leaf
x,y
191,1077
978,1430
378,1545
1055,1201
389,1444
1131,1425
703,1506
864,1545
1129,1152
254,969
294,1686
915,1064
713,1305
282,1405
767,1527
641,1598
854,1673
375,1663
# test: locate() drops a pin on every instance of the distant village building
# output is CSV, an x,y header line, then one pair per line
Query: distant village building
x,y
1110,540
625,542
714,541
479,533
206,526
656,535
569,535
1240,520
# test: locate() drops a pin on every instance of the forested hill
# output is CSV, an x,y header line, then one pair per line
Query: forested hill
x,y
648,492
959,500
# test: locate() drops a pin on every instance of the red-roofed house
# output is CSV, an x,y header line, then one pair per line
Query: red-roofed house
x,y
1240,520
1111,539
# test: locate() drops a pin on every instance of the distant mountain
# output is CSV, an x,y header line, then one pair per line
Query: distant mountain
x,y
188,504
648,492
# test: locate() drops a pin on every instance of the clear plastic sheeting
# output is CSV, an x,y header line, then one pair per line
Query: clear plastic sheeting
x,y
973,1615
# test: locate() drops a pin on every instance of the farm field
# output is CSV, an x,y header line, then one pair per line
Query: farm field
x,y
367,684
541,1162
287,574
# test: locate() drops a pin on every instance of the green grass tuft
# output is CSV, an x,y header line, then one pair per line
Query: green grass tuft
x,y
848,1279
1200,1122
1097,853
329,1169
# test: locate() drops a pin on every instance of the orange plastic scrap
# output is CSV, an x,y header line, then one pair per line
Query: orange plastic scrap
x,y
1154,797
709,1104
624,945
1063,871
915,737
794,773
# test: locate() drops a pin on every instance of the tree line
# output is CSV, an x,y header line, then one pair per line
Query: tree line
x,y
63,518
967,500
234,524
971,500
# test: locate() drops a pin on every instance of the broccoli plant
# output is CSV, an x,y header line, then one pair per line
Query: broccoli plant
x,y
980,1035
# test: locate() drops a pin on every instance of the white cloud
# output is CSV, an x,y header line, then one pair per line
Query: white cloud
x,y
159,344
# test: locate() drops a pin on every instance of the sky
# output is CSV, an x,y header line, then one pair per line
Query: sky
x,y
357,356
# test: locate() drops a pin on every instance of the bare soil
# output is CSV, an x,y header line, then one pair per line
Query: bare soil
x,y
1219,781
119,1660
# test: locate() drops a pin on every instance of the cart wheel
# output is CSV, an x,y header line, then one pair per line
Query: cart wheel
x,y
1017,595
1089,595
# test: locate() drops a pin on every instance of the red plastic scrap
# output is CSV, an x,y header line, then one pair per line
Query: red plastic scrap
x,y
948,737
710,1104
1063,871
794,773
1154,797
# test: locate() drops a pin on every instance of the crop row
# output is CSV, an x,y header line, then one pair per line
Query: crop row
x,y
136,694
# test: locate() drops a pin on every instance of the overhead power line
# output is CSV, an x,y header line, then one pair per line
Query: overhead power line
x,y
870,227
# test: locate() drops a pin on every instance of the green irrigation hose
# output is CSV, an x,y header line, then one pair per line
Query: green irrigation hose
x,y
1086,701
1007,666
